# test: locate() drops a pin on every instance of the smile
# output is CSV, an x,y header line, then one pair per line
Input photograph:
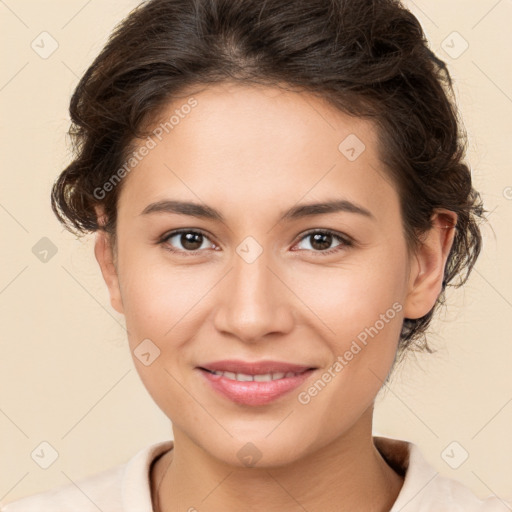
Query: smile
x,y
254,383
263,377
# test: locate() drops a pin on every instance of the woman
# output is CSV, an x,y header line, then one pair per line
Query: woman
x,y
280,200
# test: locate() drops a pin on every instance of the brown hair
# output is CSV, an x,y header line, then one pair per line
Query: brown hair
x,y
368,58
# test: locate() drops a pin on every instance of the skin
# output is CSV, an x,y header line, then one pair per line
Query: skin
x,y
252,152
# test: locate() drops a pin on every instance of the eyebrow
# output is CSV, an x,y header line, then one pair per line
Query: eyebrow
x,y
296,212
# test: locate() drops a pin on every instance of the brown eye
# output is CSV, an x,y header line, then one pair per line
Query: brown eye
x,y
321,241
189,240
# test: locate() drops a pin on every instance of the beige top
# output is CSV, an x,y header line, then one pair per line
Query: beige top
x,y
126,487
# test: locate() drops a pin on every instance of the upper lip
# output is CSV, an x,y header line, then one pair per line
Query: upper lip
x,y
254,368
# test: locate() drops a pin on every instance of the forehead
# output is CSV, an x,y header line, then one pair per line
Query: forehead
x,y
253,144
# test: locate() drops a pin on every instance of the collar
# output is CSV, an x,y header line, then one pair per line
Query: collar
x,y
403,456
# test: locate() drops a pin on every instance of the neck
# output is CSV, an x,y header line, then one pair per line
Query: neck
x,y
348,474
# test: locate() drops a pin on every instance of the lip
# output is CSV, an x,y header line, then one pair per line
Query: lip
x,y
254,393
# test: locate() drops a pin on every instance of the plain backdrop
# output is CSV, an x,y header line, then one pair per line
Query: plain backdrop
x,y
66,375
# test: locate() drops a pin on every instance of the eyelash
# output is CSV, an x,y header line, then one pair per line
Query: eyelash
x,y
345,241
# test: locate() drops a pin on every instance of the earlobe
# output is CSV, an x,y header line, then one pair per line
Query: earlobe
x,y
427,272
104,256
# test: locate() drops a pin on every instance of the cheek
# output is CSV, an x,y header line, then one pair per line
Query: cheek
x,y
156,294
362,309
354,295
158,302
358,311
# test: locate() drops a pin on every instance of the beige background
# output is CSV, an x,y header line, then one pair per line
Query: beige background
x,y
66,376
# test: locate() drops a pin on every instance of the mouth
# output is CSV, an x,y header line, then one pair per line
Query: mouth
x,y
255,367
257,377
254,383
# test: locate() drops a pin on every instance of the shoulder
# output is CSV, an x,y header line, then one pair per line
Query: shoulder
x,y
96,492
123,488
462,499
425,489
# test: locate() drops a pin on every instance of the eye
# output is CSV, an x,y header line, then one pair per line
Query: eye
x,y
321,240
190,240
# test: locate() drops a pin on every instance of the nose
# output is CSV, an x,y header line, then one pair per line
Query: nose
x,y
254,301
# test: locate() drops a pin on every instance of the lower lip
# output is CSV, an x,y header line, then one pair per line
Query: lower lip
x,y
252,392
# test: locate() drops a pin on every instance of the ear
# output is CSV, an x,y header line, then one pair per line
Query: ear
x,y
105,257
428,265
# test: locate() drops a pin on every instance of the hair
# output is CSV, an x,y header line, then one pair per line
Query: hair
x,y
367,58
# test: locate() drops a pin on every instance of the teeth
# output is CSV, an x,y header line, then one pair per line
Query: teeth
x,y
265,377
241,377
244,377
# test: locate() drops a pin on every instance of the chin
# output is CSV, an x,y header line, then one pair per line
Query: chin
x,y
258,449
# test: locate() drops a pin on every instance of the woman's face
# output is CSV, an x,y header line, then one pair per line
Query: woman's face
x,y
250,283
